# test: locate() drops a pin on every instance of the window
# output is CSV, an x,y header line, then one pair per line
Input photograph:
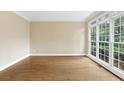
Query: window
x,y
107,41
119,43
104,41
93,41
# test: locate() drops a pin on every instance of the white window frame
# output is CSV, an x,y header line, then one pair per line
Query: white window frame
x,y
113,19
90,41
104,41
109,66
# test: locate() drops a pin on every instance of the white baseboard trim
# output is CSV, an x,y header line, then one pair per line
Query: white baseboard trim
x,y
39,54
14,62
110,68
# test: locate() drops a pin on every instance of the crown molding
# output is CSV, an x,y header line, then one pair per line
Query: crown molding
x,y
21,15
94,14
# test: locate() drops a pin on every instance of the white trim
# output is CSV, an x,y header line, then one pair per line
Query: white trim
x,y
89,19
21,15
89,39
18,60
14,62
108,67
40,54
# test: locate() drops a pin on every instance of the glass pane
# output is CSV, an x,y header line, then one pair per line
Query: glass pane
x,y
117,22
103,38
102,51
94,53
106,59
121,66
121,56
93,39
100,38
117,30
116,63
106,46
103,26
107,52
115,47
122,37
107,31
99,51
102,57
121,48
107,38
104,31
99,56
122,29
122,21
94,29
100,27
117,38
94,49
100,45
95,44
116,55
107,24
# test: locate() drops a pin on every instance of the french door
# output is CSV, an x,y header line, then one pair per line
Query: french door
x,y
118,50
107,41
104,30
93,41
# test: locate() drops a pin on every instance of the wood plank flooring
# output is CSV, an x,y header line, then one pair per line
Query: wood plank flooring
x,y
56,69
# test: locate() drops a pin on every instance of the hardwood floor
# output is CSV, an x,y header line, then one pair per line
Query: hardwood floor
x,y
56,68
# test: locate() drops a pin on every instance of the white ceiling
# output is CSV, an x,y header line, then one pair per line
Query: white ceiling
x,y
54,15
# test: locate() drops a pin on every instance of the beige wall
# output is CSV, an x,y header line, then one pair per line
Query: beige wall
x,y
86,37
14,37
57,38
18,38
